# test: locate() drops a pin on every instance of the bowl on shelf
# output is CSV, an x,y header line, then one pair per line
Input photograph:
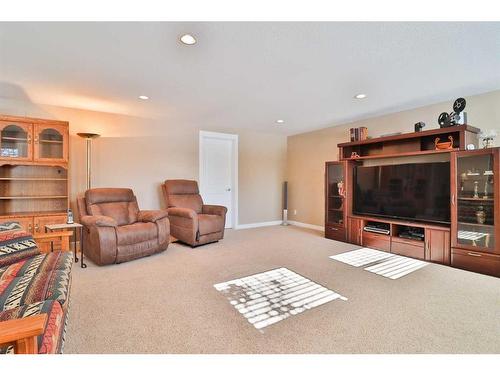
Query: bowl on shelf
x,y
443,145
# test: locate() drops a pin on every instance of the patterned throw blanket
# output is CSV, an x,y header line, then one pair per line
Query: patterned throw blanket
x,y
32,283
15,244
10,225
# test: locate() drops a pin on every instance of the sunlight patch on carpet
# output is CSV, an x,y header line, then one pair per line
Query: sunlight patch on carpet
x,y
269,297
361,257
380,262
396,267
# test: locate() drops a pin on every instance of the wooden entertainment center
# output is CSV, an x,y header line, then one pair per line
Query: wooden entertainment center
x,y
468,241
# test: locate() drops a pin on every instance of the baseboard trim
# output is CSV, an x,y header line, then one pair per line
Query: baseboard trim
x,y
305,225
258,225
279,222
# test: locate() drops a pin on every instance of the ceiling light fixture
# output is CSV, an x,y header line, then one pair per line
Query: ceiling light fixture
x,y
188,39
143,97
280,121
360,96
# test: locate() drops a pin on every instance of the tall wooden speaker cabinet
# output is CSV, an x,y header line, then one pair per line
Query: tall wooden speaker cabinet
x,y
34,167
335,201
475,210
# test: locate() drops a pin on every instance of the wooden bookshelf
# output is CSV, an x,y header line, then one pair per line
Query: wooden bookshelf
x,y
34,169
335,214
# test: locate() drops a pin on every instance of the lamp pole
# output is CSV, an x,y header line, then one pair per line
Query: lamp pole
x,y
88,139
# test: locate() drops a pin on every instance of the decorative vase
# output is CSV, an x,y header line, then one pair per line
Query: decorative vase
x,y
487,142
488,137
463,178
340,187
489,181
476,191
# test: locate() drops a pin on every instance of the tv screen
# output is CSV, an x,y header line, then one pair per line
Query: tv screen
x,y
419,192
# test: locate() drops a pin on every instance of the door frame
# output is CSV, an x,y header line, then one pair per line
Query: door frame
x,y
201,173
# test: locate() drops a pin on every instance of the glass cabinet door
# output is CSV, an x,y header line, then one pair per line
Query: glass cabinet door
x,y
335,186
15,139
475,200
50,143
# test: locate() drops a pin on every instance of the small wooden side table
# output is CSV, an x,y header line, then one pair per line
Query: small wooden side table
x,y
74,227
51,237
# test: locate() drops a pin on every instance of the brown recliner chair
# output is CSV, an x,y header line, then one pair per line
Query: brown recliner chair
x,y
116,230
191,221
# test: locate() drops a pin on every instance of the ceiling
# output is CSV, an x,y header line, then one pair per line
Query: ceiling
x,y
248,75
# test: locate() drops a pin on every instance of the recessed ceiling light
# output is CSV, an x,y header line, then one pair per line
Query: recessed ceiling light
x,y
280,121
143,97
188,39
360,96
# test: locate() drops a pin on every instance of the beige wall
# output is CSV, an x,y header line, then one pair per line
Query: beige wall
x,y
307,152
140,153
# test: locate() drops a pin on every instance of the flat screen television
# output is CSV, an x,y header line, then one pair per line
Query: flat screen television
x,y
416,192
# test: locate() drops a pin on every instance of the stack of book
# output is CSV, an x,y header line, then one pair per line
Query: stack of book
x,y
358,134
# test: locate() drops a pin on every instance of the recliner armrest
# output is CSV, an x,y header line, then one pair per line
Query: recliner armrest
x,y
182,212
151,215
210,209
98,221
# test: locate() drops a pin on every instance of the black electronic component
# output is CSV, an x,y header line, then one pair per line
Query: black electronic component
x,y
454,118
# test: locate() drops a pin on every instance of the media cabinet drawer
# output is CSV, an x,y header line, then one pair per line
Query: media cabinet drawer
x,y
335,233
377,241
475,261
407,249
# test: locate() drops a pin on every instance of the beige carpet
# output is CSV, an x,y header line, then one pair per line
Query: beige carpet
x,y
167,303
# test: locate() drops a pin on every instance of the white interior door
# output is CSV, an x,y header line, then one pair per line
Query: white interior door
x,y
218,169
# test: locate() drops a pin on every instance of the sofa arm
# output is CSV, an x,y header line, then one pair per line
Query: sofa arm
x,y
214,210
22,333
182,212
151,216
98,221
